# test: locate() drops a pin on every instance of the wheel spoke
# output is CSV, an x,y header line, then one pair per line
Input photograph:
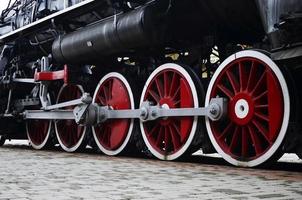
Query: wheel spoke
x,y
262,106
262,130
154,96
101,100
176,129
226,131
262,78
233,81
176,103
252,76
166,85
226,91
234,141
242,77
244,143
159,87
167,139
154,130
255,140
175,96
263,94
173,84
261,116
160,137
175,138
109,143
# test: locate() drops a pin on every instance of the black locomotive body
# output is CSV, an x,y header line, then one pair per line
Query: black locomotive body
x,y
166,77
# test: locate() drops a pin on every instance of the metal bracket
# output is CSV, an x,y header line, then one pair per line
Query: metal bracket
x,y
43,93
21,103
80,112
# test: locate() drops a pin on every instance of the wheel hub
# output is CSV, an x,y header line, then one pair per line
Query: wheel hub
x,y
241,109
167,107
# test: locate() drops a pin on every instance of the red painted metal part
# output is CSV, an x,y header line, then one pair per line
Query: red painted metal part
x,y
169,89
248,137
51,76
112,133
37,131
69,131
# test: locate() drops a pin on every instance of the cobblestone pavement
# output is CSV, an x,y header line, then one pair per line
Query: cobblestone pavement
x,y
29,174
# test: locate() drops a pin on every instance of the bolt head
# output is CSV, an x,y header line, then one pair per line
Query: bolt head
x,y
154,114
213,111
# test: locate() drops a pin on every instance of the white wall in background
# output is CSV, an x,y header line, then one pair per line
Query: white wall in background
x,y
3,4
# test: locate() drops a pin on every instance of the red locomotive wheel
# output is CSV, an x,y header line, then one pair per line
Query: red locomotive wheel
x,y
38,133
113,135
70,135
258,109
170,86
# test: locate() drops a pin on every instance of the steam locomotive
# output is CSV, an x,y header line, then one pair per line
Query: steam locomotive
x,y
160,77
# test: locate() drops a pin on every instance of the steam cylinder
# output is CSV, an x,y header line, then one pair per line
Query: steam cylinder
x,y
112,35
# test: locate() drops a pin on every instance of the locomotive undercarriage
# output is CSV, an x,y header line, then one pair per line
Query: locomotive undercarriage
x,y
144,77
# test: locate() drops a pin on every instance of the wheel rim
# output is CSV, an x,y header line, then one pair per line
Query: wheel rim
x,y
169,86
258,109
69,134
113,135
38,132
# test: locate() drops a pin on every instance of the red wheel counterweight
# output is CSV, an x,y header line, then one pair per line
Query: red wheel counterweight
x,y
258,109
113,136
170,86
71,136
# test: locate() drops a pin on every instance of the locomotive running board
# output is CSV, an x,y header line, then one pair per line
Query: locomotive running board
x,y
92,114
37,25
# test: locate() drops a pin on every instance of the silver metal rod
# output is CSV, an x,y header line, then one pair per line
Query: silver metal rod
x,y
25,80
160,112
124,114
65,104
92,113
8,101
51,115
182,112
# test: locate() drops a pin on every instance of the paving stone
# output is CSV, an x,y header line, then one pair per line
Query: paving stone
x,y
29,174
